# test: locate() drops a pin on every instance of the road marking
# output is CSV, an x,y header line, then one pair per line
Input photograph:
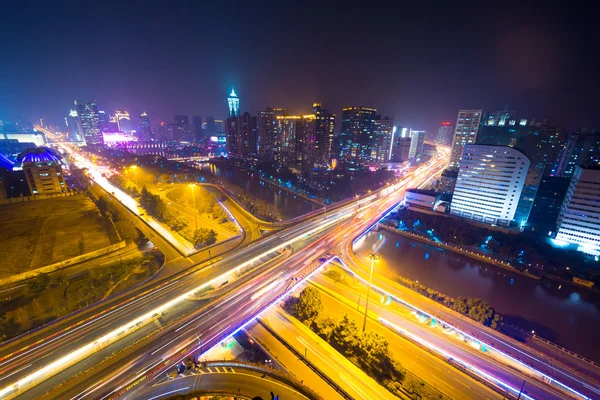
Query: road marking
x,y
166,393
12,373
165,345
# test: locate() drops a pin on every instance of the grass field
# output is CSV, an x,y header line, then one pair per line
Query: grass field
x,y
39,233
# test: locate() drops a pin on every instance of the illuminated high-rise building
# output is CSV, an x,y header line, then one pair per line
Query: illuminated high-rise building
x,y
417,139
489,184
284,144
145,127
182,127
579,217
74,127
267,127
90,122
384,134
444,134
321,146
357,132
233,101
123,121
465,132
242,135
197,127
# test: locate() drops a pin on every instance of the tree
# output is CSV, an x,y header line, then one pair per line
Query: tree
x,y
374,353
345,336
39,283
204,237
309,304
324,326
127,231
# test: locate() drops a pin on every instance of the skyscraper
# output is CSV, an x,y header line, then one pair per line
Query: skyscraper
x,y
444,134
284,144
123,121
417,139
233,101
242,135
210,126
74,126
145,127
197,127
579,218
581,149
90,122
322,145
357,132
383,140
401,149
182,127
267,128
467,126
489,184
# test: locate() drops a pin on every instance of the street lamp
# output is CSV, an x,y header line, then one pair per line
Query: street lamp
x,y
134,168
194,203
373,257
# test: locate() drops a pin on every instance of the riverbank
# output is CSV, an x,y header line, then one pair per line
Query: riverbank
x,y
558,313
458,250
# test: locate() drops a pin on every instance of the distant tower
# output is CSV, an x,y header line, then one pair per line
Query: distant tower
x,y
234,104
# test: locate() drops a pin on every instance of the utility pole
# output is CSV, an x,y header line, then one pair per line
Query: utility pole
x,y
373,257
194,203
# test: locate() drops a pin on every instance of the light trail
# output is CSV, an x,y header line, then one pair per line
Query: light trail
x,y
85,351
451,357
534,373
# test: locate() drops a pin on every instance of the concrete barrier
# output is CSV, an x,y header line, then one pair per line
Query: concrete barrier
x,y
62,264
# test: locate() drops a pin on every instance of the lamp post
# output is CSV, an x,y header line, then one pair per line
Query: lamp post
x,y
373,257
194,203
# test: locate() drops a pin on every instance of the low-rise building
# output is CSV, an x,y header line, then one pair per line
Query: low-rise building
x,y
421,199
43,171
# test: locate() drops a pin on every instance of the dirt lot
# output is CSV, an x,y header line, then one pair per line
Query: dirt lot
x,y
39,233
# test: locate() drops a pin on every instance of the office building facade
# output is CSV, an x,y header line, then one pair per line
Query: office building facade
x,y
357,132
465,132
145,127
384,134
444,134
417,139
579,218
489,184
90,122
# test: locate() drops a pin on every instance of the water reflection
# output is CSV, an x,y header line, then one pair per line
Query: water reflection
x,y
559,312
288,204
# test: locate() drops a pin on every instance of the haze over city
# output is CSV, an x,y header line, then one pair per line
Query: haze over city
x,y
413,63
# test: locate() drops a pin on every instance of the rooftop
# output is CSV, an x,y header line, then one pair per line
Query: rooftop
x,y
38,154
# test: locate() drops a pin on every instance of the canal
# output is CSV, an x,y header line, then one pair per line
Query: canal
x,y
562,313
287,203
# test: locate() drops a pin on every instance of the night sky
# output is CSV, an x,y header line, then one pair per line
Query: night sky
x,y
416,65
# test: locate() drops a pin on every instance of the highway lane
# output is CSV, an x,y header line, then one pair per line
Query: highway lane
x,y
408,322
292,364
211,325
93,328
432,369
585,384
231,379
325,244
14,369
337,367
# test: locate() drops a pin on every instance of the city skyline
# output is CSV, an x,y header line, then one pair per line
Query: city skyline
x,y
422,82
